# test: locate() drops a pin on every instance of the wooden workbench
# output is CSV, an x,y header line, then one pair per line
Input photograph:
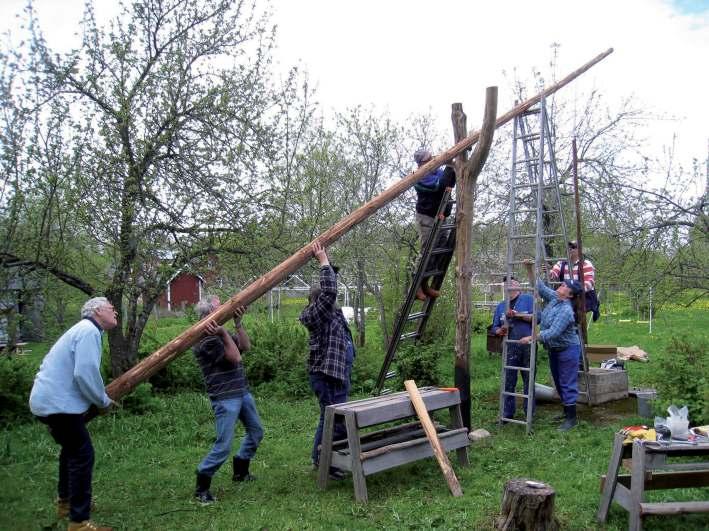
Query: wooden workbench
x,y
368,453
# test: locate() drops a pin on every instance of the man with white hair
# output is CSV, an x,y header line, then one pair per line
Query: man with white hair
x,y
67,385
429,193
515,323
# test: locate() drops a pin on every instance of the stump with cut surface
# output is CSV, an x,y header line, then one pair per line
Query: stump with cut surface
x,y
527,505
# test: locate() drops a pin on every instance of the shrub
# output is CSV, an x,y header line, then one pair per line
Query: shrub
x,y
140,401
420,363
682,379
16,378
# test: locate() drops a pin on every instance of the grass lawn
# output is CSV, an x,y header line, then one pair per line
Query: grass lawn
x,y
144,474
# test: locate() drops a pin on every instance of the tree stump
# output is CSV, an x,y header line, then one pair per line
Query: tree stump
x,y
527,505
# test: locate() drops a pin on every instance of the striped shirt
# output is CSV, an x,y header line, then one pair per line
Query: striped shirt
x,y
223,378
589,273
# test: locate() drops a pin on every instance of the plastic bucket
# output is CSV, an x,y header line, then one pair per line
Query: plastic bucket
x,y
645,398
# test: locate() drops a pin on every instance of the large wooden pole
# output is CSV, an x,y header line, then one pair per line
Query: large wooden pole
x,y
581,302
467,172
125,383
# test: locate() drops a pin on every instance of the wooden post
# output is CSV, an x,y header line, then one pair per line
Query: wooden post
x,y
432,435
467,172
581,303
527,505
147,367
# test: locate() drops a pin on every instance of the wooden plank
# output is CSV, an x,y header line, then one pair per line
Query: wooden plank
x,y
637,486
422,412
378,413
147,367
671,480
360,482
684,507
326,447
381,450
609,485
457,422
415,452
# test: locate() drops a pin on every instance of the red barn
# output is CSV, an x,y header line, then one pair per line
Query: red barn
x,y
183,289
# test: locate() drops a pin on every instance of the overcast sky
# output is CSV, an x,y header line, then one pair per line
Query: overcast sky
x,y
412,56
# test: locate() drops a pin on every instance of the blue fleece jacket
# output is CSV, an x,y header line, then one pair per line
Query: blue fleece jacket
x,y
69,379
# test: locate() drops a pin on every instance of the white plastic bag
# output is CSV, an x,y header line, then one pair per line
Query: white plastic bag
x,y
678,422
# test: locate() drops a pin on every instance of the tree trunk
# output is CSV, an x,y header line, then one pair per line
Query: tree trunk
x,y
467,172
527,508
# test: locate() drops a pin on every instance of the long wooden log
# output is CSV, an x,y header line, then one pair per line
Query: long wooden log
x,y
147,367
467,171
432,435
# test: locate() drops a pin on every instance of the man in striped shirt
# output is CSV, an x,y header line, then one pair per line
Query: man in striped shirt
x,y
219,356
560,271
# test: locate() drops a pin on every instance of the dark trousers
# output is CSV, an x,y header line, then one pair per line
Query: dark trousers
x,y
518,356
329,391
76,462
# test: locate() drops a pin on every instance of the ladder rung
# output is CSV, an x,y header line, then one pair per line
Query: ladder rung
x,y
520,395
534,160
528,236
390,374
514,421
441,250
435,273
385,392
447,226
530,112
512,367
417,315
528,136
534,185
408,335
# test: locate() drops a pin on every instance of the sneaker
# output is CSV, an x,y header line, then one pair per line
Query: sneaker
x,y
87,525
204,497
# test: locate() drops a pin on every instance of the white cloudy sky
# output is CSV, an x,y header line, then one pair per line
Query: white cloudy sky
x,y
409,56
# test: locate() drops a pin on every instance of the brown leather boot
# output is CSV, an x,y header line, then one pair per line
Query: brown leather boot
x,y
433,293
420,295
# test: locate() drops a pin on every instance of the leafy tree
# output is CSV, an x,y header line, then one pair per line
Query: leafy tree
x,y
141,151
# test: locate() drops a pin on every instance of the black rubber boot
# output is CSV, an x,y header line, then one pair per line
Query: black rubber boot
x,y
241,470
201,491
570,421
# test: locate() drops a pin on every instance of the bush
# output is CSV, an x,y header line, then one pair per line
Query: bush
x,y
16,378
420,363
682,379
276,363
140,401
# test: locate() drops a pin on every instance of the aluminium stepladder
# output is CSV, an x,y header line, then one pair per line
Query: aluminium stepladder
x,y
536,226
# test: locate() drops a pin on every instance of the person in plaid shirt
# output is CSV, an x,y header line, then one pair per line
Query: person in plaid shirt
x,y
331,351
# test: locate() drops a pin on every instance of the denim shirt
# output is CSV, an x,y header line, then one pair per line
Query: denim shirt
x,y
519,328
557,325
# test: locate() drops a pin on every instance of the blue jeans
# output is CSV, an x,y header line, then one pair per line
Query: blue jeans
x,y
226,413
564,365
76,462
329,391
517,355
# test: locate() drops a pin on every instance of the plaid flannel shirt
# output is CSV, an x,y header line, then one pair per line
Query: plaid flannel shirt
x,y
329,333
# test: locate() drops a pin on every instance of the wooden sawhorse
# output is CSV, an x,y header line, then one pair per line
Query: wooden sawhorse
x,y
649,471
365,454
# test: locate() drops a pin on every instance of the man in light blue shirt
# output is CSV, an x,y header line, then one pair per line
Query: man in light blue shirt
x,y
557,331
68,384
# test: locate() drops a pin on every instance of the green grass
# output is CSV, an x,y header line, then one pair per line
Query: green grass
x,y
144,474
